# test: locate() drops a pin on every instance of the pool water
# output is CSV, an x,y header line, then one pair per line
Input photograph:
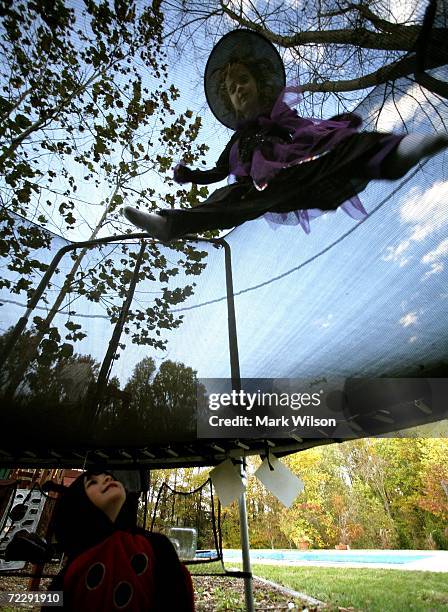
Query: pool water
x,y
331,556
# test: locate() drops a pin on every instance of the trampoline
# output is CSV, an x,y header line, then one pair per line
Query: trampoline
x,y
100,368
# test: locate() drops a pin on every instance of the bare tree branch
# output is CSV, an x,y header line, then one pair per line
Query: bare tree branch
x,y
390,72
399,38
381,24
332,47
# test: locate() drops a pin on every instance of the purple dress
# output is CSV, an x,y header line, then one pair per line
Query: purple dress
x,y
282,163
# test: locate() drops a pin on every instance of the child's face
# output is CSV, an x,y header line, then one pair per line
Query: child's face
x,y
105,493
242,90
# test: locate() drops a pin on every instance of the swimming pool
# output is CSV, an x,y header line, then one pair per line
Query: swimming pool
x,y
382,557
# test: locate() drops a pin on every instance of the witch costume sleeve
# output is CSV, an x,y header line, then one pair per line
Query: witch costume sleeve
x,y
220,171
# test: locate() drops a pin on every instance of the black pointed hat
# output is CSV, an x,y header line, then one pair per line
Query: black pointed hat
x,y
249,48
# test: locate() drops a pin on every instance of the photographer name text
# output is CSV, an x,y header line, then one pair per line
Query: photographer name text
x,y
265,421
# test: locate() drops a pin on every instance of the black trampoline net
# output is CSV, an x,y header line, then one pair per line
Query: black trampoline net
x,y
90,362
109,357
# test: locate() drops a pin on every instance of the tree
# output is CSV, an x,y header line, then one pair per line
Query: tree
x,y
435,477
175,390
362,478
433,498
161,404
343,499
230,526
86,109
184,501
263,510
140,390
332,48
56,386
310,520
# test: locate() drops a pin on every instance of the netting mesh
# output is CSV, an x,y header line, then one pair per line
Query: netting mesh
x,y
191,519
364,299
58,376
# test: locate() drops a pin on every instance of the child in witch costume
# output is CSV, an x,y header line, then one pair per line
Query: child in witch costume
x,y
113,565
280,162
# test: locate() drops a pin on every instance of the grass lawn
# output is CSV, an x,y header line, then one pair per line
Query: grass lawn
x,y
364,589
369,590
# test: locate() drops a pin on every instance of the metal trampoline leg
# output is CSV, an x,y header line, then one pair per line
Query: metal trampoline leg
x,y
236,385
244,534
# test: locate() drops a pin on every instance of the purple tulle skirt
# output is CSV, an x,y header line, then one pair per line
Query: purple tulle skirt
x,y
311,140
319,166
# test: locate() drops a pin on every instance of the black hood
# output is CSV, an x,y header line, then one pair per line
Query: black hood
x,y
79,524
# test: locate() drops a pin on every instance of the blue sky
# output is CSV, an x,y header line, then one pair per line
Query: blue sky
x,y
377,298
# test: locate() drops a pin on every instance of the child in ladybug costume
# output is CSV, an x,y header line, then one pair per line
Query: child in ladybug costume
x,y
111,564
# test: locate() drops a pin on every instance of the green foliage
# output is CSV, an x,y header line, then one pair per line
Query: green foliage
x,y
81,89
363,589
346,500
183,501
352,496
342,501
230,523
370,493
263,511
227,600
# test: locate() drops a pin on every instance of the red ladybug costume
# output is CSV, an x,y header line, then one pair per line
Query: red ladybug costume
x,y
116,566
